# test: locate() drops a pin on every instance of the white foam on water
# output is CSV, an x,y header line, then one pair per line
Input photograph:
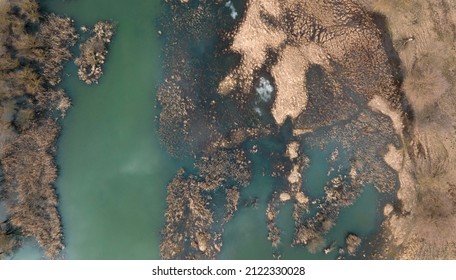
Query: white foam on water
x,y
264,89
258,110
230,5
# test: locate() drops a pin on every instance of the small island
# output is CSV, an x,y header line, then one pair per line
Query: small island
x,y
93,52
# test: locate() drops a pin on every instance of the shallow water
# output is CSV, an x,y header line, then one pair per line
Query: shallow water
x,y
28,251
245,236
113,171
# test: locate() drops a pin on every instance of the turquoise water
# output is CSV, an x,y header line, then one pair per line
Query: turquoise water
x,y
360,218
113,171
245,236
28,251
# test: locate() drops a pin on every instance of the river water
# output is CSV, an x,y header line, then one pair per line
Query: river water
x,y
113,171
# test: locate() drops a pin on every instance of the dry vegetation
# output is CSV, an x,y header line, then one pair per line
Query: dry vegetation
x,y
424,35
194,122
190,231
341,38
327,60
32,51
292,191
352,241
29,172
222,167
8,239
56,46
93,52
347,43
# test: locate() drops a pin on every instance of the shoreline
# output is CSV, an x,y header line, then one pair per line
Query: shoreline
x,y
28,157
419,225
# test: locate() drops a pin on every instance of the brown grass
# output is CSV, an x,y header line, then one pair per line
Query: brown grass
x,y
29,174
28,129
423,34
301,33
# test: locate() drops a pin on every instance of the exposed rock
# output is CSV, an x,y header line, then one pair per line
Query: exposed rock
x,y
295,175
330,248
